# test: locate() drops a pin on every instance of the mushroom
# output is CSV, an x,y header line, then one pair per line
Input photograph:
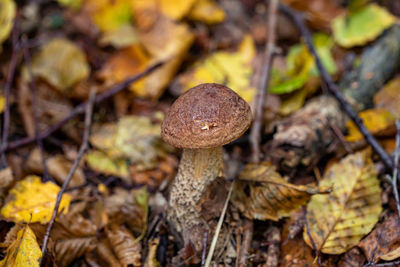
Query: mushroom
x,y
200,121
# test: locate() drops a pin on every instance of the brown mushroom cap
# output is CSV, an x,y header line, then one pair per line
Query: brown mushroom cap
x,y
208,115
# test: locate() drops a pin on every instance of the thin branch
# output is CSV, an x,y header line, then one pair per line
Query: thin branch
x,y
34,90
82,150
81,108
204,252
247,238
10,79
310,237
333,88
255,132
396,168
218,228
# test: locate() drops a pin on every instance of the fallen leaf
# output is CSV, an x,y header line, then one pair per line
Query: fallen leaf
x,y
58,167
101,162
124,245
339,220
361,26
7,15
60,63
164,40
24,251
379,122
124,36
31,201
301,65
6,177
151,260
207,11
74,4
319,13
135,139
389,97
353,257
261,193
130,208
383,242
232,69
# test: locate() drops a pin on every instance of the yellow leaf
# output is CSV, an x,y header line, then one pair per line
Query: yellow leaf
x,y
339,220
361,26
24,251
61,63
261,193
207,11
30,200
102,163
164,40
124,36
173,9
135,139
377,121
74,4
231,69
389,97
7,15
2,103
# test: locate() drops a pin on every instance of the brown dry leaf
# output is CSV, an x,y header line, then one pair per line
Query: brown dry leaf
x,y
124,245
72,235
163,40
353,258
58,167
389,97
128,207
383,243
6,177
261,193
319,13
339,220
60,63
105,252
51,107
379,122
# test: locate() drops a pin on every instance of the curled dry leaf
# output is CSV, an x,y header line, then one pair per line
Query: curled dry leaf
x,y
51,106
261,193
383,242
124,245
128,207
339,220
60,63
30,200
105,252
58,167
379,122
24,251
361,26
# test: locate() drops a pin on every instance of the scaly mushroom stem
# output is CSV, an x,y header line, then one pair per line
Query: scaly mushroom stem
x,y
197,169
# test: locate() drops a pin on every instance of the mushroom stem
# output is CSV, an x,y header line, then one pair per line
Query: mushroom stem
x,y
197,169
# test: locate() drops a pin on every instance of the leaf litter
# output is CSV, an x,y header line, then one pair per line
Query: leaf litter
x,y
114,212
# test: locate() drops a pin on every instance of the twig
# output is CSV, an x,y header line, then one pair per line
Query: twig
x,y
218,229
333,88
386,264
340,137
10,79
394,179
247,237
82,150
81,108
255,132
33,87
204,252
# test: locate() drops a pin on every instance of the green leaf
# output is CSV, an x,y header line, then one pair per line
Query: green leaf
x,y
361,26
